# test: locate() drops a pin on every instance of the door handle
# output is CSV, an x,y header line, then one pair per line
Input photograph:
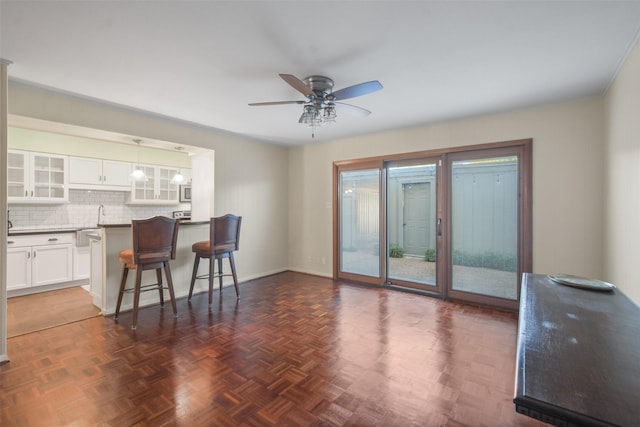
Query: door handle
x,y
439,226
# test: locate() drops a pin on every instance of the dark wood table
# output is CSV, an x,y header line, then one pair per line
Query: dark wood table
x,y
578,355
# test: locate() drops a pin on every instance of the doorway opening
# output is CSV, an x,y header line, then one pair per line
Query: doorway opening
x,y
36,312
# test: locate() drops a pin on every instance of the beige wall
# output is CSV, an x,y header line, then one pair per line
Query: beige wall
x,y
568,189
622,201
251,177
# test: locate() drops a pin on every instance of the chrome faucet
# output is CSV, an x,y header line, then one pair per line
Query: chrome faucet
x,y
100,210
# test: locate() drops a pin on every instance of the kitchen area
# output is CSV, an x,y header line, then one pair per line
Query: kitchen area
x,y
71,200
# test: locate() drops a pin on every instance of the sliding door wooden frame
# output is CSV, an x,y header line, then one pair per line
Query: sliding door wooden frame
x,y
353,165
437,289
524,150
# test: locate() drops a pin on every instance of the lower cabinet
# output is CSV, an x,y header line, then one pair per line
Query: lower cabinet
x,y
39,260
18,267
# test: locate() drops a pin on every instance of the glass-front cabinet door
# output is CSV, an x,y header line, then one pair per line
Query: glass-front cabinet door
x,y
157,187
36,177
167,191
17,175
48,177
145,190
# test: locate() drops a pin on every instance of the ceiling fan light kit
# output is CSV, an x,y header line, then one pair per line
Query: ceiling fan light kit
x,y
320,106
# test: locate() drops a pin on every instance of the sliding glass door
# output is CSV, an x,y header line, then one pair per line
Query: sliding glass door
x,y
455,224
412,219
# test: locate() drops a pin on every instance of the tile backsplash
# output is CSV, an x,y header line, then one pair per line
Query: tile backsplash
x,y
82,211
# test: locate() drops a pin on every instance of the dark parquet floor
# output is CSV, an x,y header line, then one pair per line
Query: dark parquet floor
x,y
296,350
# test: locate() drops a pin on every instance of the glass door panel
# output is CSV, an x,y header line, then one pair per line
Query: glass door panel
x,y
360,222
484,226
17,185
411,222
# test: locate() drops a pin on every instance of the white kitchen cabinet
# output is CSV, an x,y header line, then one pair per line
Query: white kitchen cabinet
x,y
157,188
81,262
36,177
97,174
187,176
51,264
37,260
18,267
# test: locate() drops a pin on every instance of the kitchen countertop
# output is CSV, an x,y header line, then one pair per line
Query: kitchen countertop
x,y
28,231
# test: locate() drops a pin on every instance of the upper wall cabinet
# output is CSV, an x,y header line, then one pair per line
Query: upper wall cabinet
x,y
188,175
36,177
157,188
96,174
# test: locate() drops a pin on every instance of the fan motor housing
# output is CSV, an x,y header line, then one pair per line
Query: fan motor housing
x,y
320,85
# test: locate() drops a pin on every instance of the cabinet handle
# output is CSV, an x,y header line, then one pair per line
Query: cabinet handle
x,y
104,178
29,255
53,239
26,193
10,242
31,193
34,254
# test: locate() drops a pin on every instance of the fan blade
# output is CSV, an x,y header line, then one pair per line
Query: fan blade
x,y
354,109
258,104
297,84
357,90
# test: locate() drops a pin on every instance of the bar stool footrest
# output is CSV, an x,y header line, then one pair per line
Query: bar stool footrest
x,y
215,275
145,288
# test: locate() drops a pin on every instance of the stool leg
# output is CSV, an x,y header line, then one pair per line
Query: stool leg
x,y
233,272
211,271
123,282
136,298
220,275
159,278
193,275
167,272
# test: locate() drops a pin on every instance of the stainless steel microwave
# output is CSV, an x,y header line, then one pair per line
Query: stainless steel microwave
x,y
185,193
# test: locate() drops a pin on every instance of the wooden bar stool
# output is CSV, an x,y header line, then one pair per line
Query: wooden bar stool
x,y
154,244
224,239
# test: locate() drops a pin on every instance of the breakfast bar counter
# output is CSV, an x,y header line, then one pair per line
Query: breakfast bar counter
x,y
106,270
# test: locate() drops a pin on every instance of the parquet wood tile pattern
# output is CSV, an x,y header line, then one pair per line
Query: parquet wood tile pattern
x,y
295,350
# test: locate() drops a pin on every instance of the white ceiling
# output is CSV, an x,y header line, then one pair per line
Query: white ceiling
x,y
204,61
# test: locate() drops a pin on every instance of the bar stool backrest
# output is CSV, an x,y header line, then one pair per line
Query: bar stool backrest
x,y
225,233
154,239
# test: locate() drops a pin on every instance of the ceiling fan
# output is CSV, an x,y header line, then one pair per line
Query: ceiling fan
x,y
320,105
